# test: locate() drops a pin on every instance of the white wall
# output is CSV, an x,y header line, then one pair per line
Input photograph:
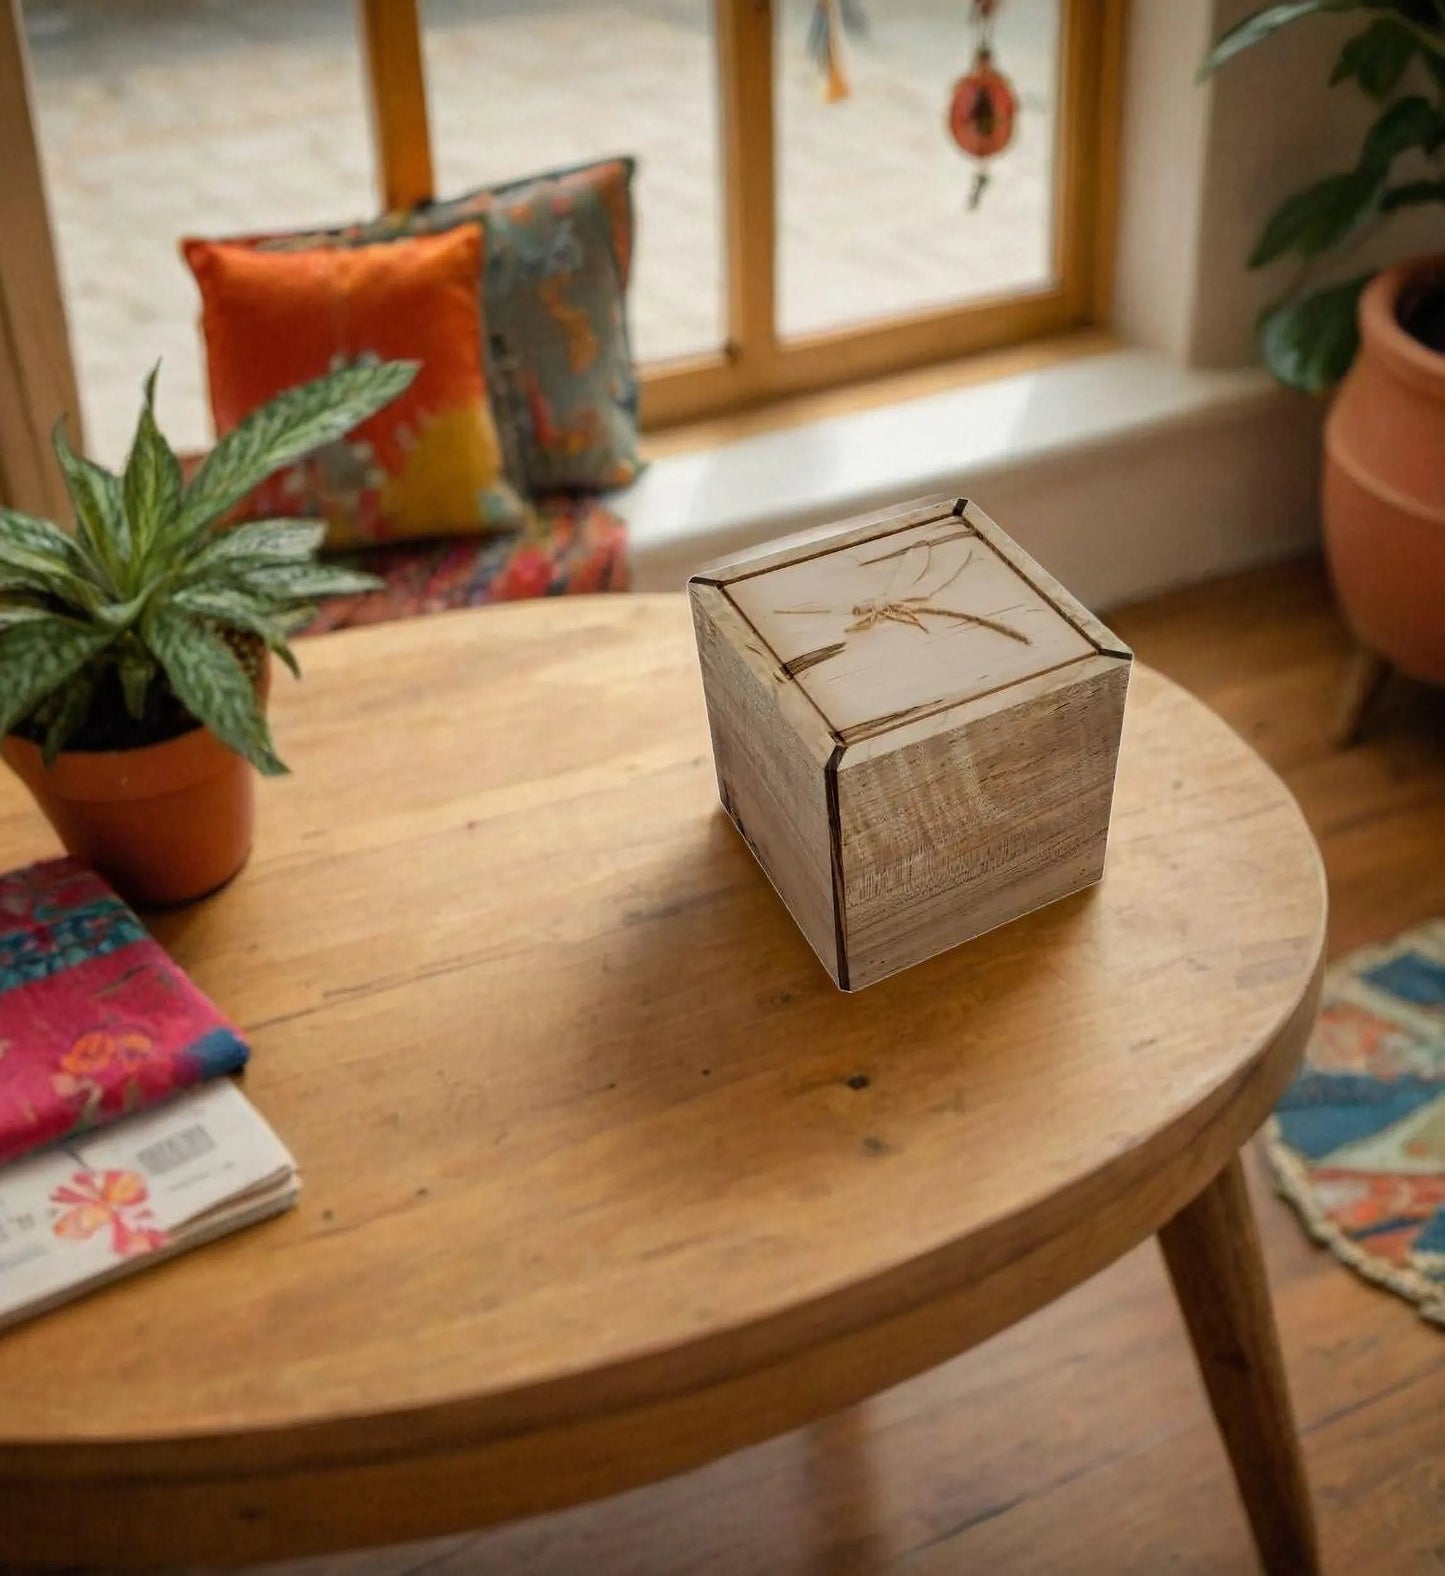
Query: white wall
x,y
1204,165
1165,128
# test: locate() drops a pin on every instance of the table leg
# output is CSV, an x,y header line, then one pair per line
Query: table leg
x,y
1364,680
1212,1251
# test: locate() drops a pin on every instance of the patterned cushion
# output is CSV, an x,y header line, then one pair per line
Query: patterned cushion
x,y
429,464
558,260
574,545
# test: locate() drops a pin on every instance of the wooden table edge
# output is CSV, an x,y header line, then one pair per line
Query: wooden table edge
x,y
352,1482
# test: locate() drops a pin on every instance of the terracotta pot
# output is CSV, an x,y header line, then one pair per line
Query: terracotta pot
x,y
1384,487
163,824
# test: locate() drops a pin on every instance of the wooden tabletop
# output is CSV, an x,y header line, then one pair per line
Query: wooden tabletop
x,y
602,1176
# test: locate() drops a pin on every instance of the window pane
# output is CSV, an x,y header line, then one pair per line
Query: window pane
x,y
873,192
518,88
164,118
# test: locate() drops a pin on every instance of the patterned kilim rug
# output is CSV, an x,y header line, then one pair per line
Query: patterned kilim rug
x,y
1358,1142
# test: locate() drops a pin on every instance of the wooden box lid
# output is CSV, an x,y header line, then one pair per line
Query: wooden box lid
x,y
909,614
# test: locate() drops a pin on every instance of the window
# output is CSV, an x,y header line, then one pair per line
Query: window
x,y
784,244
873,219
163,120
839,247
516,89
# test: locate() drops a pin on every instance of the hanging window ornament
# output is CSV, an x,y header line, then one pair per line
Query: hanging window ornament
x,y
830,20
982,110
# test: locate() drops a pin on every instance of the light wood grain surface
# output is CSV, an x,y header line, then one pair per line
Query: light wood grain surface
x,y
963,708
602,1175
840,603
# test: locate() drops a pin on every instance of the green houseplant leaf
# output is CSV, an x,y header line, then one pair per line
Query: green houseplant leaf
x,y
1412,19
1309,343
1313,220
37,656
21,613
1413,194
1256,27
1408,123
137,669
100,522
305,582
296,422
152,482
69,707
37,558
263,542
223,605
147,614
34,535
1376,58
210,683
1309,340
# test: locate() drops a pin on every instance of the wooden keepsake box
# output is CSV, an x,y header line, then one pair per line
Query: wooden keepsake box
x,y
915,730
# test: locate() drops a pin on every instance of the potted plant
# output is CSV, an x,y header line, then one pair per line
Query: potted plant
x,y
134,651
1382,334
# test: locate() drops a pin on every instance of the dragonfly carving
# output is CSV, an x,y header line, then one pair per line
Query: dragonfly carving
x,y
909,598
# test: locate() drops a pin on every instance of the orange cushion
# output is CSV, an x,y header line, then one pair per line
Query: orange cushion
x,y
430,463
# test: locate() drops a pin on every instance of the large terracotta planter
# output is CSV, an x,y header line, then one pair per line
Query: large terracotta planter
x,y
164,824
1384,487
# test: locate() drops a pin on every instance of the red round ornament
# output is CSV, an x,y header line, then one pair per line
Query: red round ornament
x,y
981,113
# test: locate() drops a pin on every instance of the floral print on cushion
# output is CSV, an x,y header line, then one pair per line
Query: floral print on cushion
x,y
430,463
559,255
573,546
559,361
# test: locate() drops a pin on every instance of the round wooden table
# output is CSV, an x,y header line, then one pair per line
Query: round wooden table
x,y
602,1176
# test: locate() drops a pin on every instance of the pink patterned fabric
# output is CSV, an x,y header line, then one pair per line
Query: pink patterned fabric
x,y
96,1021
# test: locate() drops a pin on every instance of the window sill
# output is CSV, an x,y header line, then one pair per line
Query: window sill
x,y
1120,470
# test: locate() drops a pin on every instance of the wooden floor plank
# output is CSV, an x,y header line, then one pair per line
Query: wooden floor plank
x,y
1080,1442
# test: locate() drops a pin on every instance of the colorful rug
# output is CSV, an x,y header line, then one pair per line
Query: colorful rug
x,y
1358,1142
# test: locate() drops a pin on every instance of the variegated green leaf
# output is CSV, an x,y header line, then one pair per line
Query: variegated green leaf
x,y
37,657
137,669
100,521
21,613
71,707
262,542
295,618
289,426
119,616
36,576
37,556
305,582
211,684
41,536
152,486
235,609
1256,26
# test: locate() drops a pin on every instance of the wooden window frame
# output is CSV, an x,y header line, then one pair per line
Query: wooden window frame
x,y
754,368
756,365
37,376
